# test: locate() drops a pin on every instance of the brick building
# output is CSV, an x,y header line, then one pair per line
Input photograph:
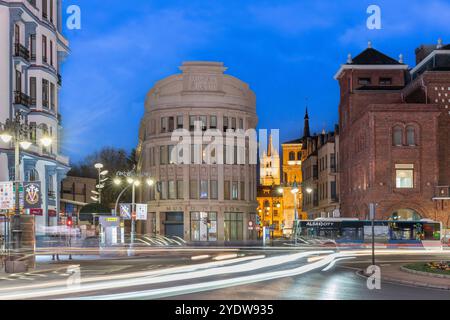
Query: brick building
x,y
395,135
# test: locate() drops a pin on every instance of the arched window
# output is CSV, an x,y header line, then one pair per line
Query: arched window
x,y
299,155
292,156
397,136
410,136
405,215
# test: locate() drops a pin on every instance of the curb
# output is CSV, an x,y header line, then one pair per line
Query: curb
x,y
423,273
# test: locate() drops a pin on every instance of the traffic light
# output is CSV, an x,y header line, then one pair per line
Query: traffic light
x,y
69,221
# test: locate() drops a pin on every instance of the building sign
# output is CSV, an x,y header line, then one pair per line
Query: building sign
x,y
7,195
36,212
125,211
33,195
141,211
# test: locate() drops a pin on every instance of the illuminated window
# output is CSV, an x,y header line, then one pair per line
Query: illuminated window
x,y
404,176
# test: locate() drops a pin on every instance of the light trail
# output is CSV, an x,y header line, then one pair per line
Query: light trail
x,y
248,266
214,285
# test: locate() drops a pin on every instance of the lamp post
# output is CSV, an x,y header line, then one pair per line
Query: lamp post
x,y
18,132
102,178
134,180
294,191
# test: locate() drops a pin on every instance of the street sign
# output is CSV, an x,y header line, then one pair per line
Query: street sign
x,y
250,225
141,211
6,195
125,211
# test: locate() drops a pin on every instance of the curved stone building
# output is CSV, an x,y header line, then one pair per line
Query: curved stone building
x,y
198,200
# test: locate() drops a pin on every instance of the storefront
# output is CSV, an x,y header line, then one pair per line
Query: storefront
x,y
233,226
173,224
203,226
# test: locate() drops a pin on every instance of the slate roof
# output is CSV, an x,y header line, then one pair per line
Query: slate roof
x,y
371,56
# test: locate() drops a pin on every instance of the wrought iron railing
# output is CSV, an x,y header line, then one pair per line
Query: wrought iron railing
x,y
22,98
21,51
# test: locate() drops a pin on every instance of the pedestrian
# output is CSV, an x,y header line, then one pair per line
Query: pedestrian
x,y
55,244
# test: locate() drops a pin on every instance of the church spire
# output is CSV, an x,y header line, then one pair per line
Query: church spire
x,y
269,147
306,132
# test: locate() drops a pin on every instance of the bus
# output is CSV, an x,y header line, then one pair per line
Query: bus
x,y
347,230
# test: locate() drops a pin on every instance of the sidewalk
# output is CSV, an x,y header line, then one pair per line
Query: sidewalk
x,y
394,273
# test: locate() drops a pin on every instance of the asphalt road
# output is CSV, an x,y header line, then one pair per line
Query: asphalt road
x,y
218,274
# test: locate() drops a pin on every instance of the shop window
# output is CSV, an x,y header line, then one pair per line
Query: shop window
x,y
203,226
233,226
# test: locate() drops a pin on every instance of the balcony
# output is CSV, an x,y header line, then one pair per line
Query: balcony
x,y
21,51
59,80
22,98
441,193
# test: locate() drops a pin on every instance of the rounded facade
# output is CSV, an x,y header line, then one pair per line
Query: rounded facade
x,y
198,198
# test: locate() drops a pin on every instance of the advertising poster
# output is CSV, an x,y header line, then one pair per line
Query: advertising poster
x,y
33,195
141,211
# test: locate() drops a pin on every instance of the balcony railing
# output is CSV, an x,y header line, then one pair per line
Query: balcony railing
x,y
21,51
22,98
59,80
441,193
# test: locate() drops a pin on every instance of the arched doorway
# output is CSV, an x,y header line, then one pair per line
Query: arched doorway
x,y
405,215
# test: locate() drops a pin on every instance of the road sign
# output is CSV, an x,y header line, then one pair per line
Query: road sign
x,y
125,210
6,195
141,211
250,225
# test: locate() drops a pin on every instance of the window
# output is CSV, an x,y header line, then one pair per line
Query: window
x,y
44,9
234,190
180,193
214,190
32,175
241,123
203,226
203,121
397,136
16,34
226,190
213,122
45,93
171,159
410,136
242,191
172,190
204,189
233,226
292,156
51,53
51,11
192,123
225,124
163,124
163,190
171,124
44,49
33,47
404,176
33,133
193,189
162,155
299,155
33,91
364,81
52,97
180,122
385,81
233,123
18,81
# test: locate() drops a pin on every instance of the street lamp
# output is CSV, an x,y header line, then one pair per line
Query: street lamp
x,y
134,180
18,131
294,191
101,179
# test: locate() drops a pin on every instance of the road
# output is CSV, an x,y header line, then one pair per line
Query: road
x,y
225,274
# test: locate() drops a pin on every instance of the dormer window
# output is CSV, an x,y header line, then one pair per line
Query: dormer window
x,y
385,81
364,81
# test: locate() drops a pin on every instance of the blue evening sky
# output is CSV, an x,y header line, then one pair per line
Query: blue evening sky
x,y
285,50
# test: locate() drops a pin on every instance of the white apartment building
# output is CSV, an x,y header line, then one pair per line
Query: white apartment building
x,y
205,202
32,49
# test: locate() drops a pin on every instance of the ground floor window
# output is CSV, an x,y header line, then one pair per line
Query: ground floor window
x,y
204,226
234,226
